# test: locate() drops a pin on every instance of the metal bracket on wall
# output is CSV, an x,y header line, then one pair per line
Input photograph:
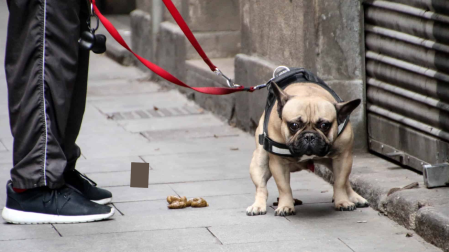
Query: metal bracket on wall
x,y
436,175
397,155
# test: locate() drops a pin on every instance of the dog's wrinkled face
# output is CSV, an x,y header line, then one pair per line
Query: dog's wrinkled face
x,y
310,124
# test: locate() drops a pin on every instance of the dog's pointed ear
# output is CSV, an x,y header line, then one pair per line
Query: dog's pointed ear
x,y
281,97
344,109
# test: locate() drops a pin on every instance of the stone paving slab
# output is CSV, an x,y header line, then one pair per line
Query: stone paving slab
x,y
355,232
198,132
128,144
127,193
122,178
105,165
5,157
23,232
200,159
254,233
119,87
2,146
7,142
160,240
166,220
300,244
171,123
101,68
142,101
5,169
5,130
299,181
4,113
111,179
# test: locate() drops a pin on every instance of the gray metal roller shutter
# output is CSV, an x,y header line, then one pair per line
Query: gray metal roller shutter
x,y
407,77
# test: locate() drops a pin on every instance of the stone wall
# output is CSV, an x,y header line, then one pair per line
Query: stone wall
x,y
322,36
251,37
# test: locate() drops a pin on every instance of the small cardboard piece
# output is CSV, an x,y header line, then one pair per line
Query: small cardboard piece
x,y
140,174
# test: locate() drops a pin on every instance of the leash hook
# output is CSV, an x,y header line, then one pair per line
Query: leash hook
x,y
229,81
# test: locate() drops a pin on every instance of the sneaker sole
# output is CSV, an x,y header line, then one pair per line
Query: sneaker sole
x,y
21,217
102,201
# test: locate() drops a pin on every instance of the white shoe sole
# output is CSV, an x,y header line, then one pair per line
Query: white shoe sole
x,y
21,217
102,201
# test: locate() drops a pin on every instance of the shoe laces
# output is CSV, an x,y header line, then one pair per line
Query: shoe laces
x,y
86,178
66,191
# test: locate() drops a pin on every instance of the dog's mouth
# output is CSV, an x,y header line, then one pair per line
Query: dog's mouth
x,y
310,144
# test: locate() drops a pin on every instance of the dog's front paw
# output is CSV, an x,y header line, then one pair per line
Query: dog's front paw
x,y
284,211
358,200
256,209
344,205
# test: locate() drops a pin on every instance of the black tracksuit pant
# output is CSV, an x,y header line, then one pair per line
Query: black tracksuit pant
x,y
46,74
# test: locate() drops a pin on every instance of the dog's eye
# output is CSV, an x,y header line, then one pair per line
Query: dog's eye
x,y
294,126
324,126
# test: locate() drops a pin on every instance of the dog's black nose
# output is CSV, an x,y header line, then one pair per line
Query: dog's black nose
x,y
309,137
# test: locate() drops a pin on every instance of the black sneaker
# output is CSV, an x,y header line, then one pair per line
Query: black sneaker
x,y
87,187
44,205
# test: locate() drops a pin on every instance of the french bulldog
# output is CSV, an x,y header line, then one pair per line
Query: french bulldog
x,y
305,117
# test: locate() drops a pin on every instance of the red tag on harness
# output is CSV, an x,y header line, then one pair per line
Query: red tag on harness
x,y
311,166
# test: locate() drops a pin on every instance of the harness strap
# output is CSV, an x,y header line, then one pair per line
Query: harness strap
x,y
160,71
274,147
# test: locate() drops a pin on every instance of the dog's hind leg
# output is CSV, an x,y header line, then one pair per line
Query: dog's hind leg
x,y
260,174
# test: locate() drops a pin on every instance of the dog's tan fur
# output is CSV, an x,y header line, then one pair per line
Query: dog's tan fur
x,y
311,102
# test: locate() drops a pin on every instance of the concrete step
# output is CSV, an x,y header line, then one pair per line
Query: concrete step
x,y
173,48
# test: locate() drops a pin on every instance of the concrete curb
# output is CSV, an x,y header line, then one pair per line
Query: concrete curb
x,y
426,211
119,54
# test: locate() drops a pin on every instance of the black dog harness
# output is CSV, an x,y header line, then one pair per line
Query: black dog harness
x,y
284,79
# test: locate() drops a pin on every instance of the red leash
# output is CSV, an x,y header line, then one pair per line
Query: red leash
x,y
161,72
185,28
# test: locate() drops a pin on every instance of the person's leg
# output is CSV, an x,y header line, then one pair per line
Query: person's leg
x,y
41,66
72,151
78,102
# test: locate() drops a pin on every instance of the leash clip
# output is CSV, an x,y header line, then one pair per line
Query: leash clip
x,y
261,86
89,19
229,81
276,73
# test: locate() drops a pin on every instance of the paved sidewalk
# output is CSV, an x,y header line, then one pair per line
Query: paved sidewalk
x,y
191,153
